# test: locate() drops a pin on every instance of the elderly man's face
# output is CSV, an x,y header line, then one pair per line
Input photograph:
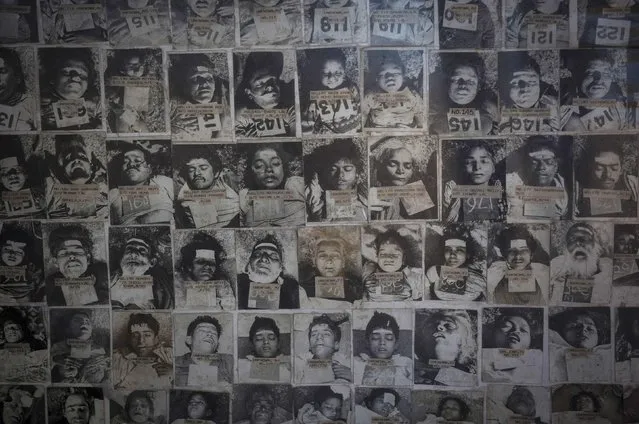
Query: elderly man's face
x,y
13,332
266,263
80,327
204,266
76,410
463,85
202,8
580,244
478,166
262,410
543,165
607,170
399,167
625,243
524,88
197,408
140,411
12,412
390,257
8,80
76,164
329,259
136,259
200,173
342,175
451,410
13,252
264,89
266,344
581,332
201,83
12,175
390,77
597,79
322,342
72,259
331,408
268,168
205,339
455,253
382,343
518,255
133,67
135,167
72,80
448,338
513,333
142,339
381,407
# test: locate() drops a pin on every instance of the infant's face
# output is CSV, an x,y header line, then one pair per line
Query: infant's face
x,y
333,74
390,77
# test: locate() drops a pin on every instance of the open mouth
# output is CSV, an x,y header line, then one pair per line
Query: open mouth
x,y
513,339
438,336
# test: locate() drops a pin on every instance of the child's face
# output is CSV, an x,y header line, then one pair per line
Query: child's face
x,y
333,74
12,175
334,4
463,85
390,77
390,257
479,166
202,8
524,88
382,343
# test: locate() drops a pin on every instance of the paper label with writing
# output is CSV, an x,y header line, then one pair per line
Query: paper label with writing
x,y
512,353
482,208
542,36
77,291
464,121
437,363
539,194
336,109
523,121
202,293
271,24
340,204
264,296
414,196
603,202
16,348
209,123
265,369
137,198
13,274
600,118
137,98
142,22
136,289
79,17
205,31
460,16
451,376
390,283
319,363
578,290
585,365
9,117
268,122
517,419
393,24
464,191
449,272
202,375
334,24
612,32
329,287
69,113
19,202
625,265
520,281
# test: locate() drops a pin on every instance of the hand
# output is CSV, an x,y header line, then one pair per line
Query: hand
x,y
94,371
314,195
341,372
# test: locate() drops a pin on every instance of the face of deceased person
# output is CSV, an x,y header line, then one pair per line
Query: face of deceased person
x,y
331,408
463,85
204,340
197,407
12,175
518,255
597,79
382,343
547,6
261,411
264,88
267,3
454,252
607,170
202,8
268,168
399,167
13,253
203,267
143,339
201,82
72,259
140,410
200,174
9,80
133,67
76,164
524,88
380,406
543,165
585,403
448,338
333,74
135,167
265,264
390,77
76,409
390,257
582,252
333,4
12,412
329,259
521,402
581,332
512,333
322,342
478,166
266,344
136,259
72,80
80,327
137,4
13,332
342,175
625,243
451,410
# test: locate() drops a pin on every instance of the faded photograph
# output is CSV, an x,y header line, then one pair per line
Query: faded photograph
x,y
138,406
322,403
382,403
402,22
589,403
269,22
608,23
469,24
23,404
198,406
75,405
625,269
537,24
260,404
335,22
138,22
24,354
204,24
505,404
21,263
73,21
430,407
20,19
626,345
17,86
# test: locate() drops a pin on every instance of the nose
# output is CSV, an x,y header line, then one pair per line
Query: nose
x,y
596,76
264,258
475,166
440,327
462,83
401,169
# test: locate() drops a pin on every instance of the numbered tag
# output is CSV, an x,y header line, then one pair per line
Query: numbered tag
x,y
201,293
585,365
209,123
604,202
77,291
136,199
13,275
520,281
340,204
329,287
9,27
268,127
265,369
624,265
70,113
78,22
612,32
264,296
542,36
202,375
390,283
379,372
137,98
205,32
460,16
524,124
578,290
464,121
480,208
334,24
271,24
335,110
391,25
453,280
9,117
539,209
135,290
142,22
18,202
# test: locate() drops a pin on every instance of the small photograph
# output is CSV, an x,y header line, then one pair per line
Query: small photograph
x,y
537,25
203,350
205,269
75,263
608,23
392,266
322,403
270,22
206,183
200,97
138,406
470,24
382,403
433,406
329,91
402,22
606,183
630,397
73,21
76,176
140,183
26,403
254,404
188,406
20,21
203,25
322,345
474,180
579,341
403,178
142,351
463,98
506,404
70,92
593,91
336,179
22,175
24,353
589,403
267,274
581,267
446,348
21,263
512,345
80,345
330,266
335,22
264,349
265,94
519,264
625,265
627,345
382,347
272,190
141,268
393,89
77,405
455,262
138,22
17,94
539,178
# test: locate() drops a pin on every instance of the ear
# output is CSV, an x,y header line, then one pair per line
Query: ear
x,y
336,346
188,340
248,93
153,261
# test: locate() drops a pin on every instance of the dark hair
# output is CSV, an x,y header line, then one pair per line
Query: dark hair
x,y
130,147
208,399
255,61
180,70
464,410
204,319
526,394
198,152
465,149
200,241
627,229
67,232
146,319
11,314
259,392
533,317
382,320
332,325
379,58
514,232
599,315
461,232
312,71
508,64
391,236
116,176
17,234
536,143
252,150
86,395
263,323
375,393
600,145
588,394
54,59
325,392
324,156
451,62
137,394
12,59
581,59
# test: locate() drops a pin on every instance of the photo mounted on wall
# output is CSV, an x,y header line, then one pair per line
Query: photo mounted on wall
x,y
76,404
24,355
505,403
626,345
373,404
203,25
18,94
335,22
336,179
265,94
200,97
625,264
470,24
608,23
602,403
199,407
466,407
324,403
329,93
20,22
463,98
138,405
537,25
134,90
455,262
21,263
70,92
269,22
68,22
138,22
402,22
393,89
250,399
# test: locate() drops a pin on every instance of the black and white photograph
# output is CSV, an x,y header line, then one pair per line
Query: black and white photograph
x,y
80,346
262,404
589,403
335,22
24,350
392,266
330,100
203,24
539,178
264,349
519,264
203,350
205,269
322,404
446,347
76,179
382,347
20,21
608,23
580,344
203,407
330,266
21,263
380,403
77,405
138,22
267,274
402,22
512,345
23,404
336,179
75,263
434,406
463,99
74,21
538,24
507,404
625,266
140,182
142,354
138,406
200,97
626,345
206,185
630,396
269,22
141,267
322,346
403,178
70,92
455,262
606,183
17,87
581,266
265,96
474,180
393,89
272,192
470,24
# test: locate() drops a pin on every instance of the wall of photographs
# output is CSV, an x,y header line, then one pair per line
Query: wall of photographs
x,y
319,211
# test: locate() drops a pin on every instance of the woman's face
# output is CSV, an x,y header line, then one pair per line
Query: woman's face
x,y
524,88
268,169
72,80
9,80
519,255
454,253
581,332
597,79
390,257
342,175
512,333
139,410
333,74
448,339
399,167
463,85
478,166
13,252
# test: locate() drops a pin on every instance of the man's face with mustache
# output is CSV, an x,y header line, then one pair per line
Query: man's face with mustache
x,y
463,85
13,252
262,411
266,262
543,165
581,332
205,339
607,170
342,175
133,67
329,259
512,333
264,89
72,80
580,244
136,259
202,8
390,77
266,344
135,167
597,79
80,327
382,343
201,84
72,259
76,410
76,165
322,343
200,174
143,340
447,338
